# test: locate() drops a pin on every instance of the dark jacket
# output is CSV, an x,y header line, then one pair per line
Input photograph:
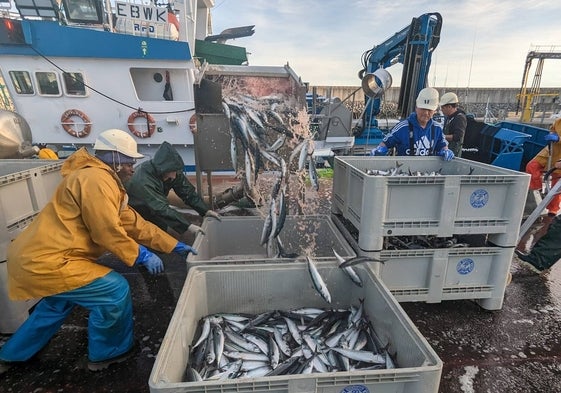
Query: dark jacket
x,y
148,192
456,125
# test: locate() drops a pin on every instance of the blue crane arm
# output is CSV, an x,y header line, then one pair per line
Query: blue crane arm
x,y
412,46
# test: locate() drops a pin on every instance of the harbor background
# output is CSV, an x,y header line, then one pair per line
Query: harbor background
x,y
497,104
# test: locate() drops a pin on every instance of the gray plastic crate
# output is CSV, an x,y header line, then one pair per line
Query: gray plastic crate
x,y
236,240
258,288
469,198
435,275
14,313
25,187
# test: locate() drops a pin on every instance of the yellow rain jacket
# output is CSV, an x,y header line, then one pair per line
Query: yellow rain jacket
x,y
87,216
543,155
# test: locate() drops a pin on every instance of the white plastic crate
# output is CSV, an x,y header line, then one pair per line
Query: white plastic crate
x,y
25,187
14,313
258,288
236,240
469,198
435,275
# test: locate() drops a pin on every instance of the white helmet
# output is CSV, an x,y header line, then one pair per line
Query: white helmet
x,y
117,140
448,98
428,99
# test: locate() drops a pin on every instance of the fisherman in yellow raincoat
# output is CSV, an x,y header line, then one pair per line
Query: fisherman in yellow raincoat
x,y
54,258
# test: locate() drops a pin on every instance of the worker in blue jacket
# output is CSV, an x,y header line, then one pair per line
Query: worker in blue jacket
x,y
418,135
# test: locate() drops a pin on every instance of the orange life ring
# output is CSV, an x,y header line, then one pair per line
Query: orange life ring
x,y
149,119
67,123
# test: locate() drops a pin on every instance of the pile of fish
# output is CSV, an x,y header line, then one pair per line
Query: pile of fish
x,y
397,170
299,341
271,138
423,242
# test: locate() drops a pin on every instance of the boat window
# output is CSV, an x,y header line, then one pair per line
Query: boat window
x,y
83,11
74,83
48,83
22,82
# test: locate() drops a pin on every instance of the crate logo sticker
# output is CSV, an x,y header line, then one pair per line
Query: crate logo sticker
x,y
465,266
355,389
479,198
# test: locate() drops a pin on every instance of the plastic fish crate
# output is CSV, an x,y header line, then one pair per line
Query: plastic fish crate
x,y
258,288
25,187
14,313
236,240
436,275
467,198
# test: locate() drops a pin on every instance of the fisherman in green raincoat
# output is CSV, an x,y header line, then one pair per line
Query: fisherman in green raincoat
x,y
151,184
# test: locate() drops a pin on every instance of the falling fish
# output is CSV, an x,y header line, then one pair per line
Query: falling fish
x,y
318,282
360,259
349,271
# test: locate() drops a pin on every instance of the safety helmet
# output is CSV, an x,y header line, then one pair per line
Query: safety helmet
x,y
448,98
428,99
119,141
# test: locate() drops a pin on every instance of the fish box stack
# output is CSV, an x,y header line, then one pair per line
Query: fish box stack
x,y
262,298
380,200
25,187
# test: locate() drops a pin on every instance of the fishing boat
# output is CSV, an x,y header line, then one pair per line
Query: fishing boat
x,y
74,68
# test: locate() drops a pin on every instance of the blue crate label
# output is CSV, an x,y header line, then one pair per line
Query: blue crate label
x,y
479,198
355,389
465,266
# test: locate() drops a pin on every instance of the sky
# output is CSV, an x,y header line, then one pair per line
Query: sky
x,y
483,43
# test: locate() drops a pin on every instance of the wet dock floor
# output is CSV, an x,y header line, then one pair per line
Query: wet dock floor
x,y
516,349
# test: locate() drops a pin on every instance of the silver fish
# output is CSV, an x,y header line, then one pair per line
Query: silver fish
x,y
349,271
218,342
361,356
359,259
274,352
234,153
204,332
246,355
312,173
278,143
303,155
318,282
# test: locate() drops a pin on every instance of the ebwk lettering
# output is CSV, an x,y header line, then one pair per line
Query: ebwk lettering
x,y
142,12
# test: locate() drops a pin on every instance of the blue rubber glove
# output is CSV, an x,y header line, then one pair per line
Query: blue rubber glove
x,y
446,154
148,259
379,151
551,137
184,250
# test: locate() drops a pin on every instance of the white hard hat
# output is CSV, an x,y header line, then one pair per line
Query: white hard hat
x,y
117,140
428,99
448,98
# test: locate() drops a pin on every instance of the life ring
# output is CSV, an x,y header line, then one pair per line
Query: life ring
x,y
67,123
149,120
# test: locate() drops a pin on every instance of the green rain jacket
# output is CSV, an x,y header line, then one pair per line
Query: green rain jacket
x,y
148,193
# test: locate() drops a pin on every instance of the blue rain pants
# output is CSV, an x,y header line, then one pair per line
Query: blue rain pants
x,y
110,323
